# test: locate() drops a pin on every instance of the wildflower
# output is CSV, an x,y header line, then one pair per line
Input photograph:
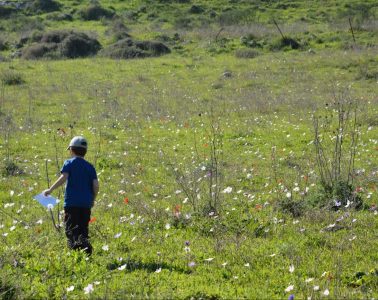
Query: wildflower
x,y
70,289
191,264
167,226
316,288
227,190
288,195
11,193
88,289
291,269
12,228
92,220
209,259
187,243
126,200
105,248
224,264
246,265
326,292
158,270
122,267
187,249
291,297
117,235
39,221
309,280
289,288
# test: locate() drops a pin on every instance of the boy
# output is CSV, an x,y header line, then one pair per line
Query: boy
x,y
81,190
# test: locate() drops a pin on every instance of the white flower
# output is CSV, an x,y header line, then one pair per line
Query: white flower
x,y
246,265
326,292
12,228
88,289
309,280
209,259
117,235
316,288
178,192
296,189
289,288
70,289
123,267
39,221
224,264
227,190
105,248
249,176
288,194
167,226
11,193
158,270
291,269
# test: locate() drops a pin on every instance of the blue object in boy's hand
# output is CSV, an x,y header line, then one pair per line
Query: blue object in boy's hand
x,y
47,201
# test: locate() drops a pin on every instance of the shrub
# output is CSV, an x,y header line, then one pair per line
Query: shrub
x,y
95,12
284,43
127,48
40,50
56,36
6,11
60,44
11,169
196,9
43,6
246,53
7,291
11,78
79,45
250,41
3,45
290,206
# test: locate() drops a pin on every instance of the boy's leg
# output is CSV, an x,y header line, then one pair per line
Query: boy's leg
x,y
71,218
85,214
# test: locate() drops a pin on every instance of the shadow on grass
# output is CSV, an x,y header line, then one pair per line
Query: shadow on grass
x,y
151,267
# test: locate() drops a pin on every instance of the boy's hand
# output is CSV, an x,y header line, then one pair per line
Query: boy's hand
x,y
46,193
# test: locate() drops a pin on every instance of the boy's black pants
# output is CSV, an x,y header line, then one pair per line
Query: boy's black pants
x,y
76,220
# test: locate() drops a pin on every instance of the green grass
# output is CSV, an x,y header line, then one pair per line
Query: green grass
x,y
148,120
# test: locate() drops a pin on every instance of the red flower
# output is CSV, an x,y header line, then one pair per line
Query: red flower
x,y
92,220
258,207
126,200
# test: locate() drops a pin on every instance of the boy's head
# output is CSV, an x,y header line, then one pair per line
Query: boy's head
x,y
78,146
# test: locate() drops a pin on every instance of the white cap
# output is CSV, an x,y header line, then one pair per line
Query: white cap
x,y
78,141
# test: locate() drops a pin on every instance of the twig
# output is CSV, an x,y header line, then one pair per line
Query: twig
x,y
216,37
275,23
351,29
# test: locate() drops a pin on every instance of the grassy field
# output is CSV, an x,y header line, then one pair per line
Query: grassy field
x,y
210,186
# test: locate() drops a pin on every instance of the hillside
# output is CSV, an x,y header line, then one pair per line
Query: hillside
x,y
235,143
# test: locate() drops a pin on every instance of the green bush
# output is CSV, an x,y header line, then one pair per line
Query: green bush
x,y
246,53
127,48
284,43
95,12
6,11
11,169
42,6
11,78
3,45
79,45
62,44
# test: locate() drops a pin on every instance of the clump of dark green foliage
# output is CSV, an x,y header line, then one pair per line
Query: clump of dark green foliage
x,y
127,48
62,44
42,6
95,12
11,169
11,77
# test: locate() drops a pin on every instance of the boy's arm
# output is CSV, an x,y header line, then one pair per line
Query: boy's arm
x,y
62,179
96,188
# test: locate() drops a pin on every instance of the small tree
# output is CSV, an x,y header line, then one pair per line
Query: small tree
x,y
336,135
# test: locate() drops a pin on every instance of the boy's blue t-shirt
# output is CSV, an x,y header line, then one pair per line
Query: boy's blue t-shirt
x,y
79,187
